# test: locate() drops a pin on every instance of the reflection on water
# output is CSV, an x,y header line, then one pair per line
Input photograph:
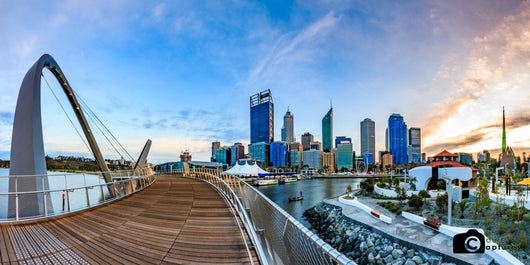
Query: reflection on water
x,y
58,181
314,191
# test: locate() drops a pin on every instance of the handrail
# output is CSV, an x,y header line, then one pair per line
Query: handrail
x,y
274,225
124,183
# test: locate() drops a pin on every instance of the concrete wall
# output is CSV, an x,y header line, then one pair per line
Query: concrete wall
x,y
368,210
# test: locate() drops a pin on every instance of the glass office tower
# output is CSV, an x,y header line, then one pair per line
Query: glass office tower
x,y
397,139
327,131
261,117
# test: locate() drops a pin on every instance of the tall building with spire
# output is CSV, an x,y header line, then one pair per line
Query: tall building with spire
x,y
503,150
327,130
507,155
288,127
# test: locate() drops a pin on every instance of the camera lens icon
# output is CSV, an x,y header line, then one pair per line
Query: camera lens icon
x,y
471,242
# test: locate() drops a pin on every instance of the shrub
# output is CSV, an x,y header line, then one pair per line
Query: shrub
x,y
523,243
513,228
415,201
526,218
441,201
440,185
367,185
424,194
487,223
500,228
508,238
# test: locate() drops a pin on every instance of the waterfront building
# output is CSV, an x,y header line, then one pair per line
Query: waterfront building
x,y
237,151
484,156
397,139
222,155
341,140
298,154
215,146
184,157
414,147
261,117
288,127
313,159
279,154
387,161
464,158
329,161
327,131
260,152
307,139
345,156
315,146
368,137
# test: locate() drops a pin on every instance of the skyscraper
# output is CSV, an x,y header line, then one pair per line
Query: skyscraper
x,y
279,154
261,117
327,131
344,155
237,151
307,139
367,137
288,127
397,139
215,146
414,148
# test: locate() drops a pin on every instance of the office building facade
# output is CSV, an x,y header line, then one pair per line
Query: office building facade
x,y
327,131
260,152
367,137
414,148
223,155
237,151
307,139
288,127
279,154
345,156
315,146
329,161
342,140
261,117
313,159
296,160
215,146
397,139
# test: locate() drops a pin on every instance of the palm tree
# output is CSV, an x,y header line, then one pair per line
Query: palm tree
x,y
463,205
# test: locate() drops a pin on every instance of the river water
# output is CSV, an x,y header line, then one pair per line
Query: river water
x,y
314,191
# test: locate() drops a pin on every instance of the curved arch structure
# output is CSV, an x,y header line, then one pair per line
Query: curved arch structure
x,y
27,146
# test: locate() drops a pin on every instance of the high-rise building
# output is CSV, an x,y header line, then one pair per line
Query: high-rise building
x,y
307,139
261,117
329,161
279,154
327,131
387,161
342,140
313,159
288,127
260,152
386,139
368,137
223,155
237,151
315,146
368,158
215,146
414,147
296,154
397,139
344,155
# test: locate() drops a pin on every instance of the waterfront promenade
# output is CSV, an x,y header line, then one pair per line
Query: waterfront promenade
x,y
175,221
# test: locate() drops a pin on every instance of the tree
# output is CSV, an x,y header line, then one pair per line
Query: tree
x,y
412,182
463,205
441,201
482,198
424,194
415,201
401,195
440,185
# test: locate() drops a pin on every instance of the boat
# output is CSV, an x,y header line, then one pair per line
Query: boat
x,y
297,198
287,180
263,182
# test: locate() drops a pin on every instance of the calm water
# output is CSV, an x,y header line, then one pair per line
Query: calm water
x,y
57,182
314,191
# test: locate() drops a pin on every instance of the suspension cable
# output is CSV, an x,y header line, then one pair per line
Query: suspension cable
x,y
71,122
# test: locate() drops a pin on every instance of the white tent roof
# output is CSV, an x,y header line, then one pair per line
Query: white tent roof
x,y
245,170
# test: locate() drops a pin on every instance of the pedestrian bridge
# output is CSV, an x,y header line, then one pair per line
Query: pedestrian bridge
x,y
183,217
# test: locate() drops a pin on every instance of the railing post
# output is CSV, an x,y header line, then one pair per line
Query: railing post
x,y
44,199
16,197
86,192
67,192
101,188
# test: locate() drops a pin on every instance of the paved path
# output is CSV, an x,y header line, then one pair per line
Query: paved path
x,y
409,231
175,221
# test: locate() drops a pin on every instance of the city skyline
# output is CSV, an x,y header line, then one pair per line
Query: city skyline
x,y
181,73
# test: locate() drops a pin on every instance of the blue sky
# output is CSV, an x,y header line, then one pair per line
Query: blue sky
x,y
181,72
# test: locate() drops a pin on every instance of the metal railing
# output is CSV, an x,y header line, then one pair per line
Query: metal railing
x,y
277,236
75,192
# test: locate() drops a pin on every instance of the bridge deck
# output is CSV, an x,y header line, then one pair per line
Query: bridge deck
x,y
175,221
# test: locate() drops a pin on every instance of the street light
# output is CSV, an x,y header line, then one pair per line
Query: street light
x,y
449,199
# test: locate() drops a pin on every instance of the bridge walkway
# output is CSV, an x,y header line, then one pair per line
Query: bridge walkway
x,y
175,221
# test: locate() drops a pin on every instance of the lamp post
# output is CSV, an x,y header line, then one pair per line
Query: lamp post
x,y
449,199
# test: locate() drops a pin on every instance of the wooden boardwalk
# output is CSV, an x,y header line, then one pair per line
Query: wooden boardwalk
x,y
175,221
